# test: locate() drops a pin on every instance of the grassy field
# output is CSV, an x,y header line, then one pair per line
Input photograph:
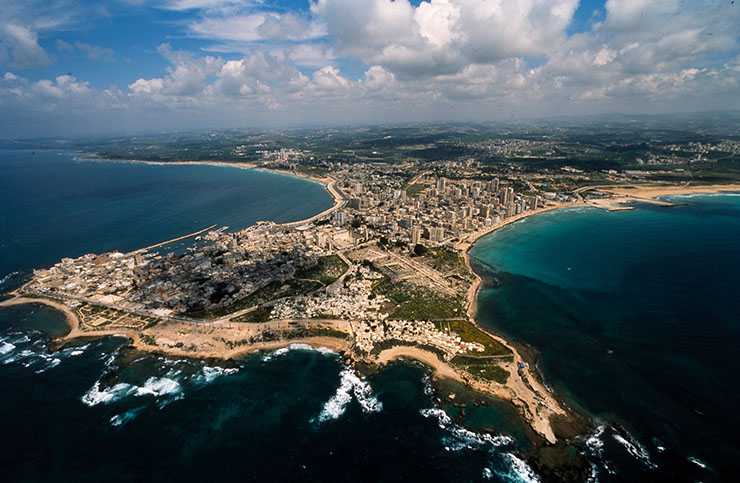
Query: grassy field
x,y
418,303
483,369
470,333
259,315
326,271
415,189
273,290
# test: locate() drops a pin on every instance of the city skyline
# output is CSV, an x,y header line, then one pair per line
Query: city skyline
x,y
72,68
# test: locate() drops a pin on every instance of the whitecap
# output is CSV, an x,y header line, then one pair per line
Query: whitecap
x,y
522,469
8,277
428,389
74,351
6,347
158,386
636,449
52,362
95,396
20,340
697,462
210,374
463,438
123,418
595,443
350,384
154,386
296,346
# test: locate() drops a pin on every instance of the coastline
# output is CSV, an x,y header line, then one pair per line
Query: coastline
x,y
523,389
328,182
647,192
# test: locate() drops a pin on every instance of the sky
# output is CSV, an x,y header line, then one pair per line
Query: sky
x,y
84,67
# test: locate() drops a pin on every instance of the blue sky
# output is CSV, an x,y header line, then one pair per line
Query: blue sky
x,y
76,67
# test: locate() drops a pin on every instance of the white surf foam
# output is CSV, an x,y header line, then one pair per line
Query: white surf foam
x,y
296,346
158,386
121,419
95,396
8,277
522,469
697,462
636,450
6,348
595,443
210,374
154,386
74,351
461,437
351,384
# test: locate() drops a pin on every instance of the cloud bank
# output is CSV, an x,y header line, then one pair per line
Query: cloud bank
x,y
339,61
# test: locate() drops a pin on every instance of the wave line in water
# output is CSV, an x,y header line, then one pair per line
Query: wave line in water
x,y
351,384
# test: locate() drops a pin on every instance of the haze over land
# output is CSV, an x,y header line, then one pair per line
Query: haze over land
x,y
69,67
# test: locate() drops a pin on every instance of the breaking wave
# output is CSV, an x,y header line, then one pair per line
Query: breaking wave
x,y
698,462
6,347
123,418
8,277
636,450
595,443
298,346
154,386
461,438
210,374
351,384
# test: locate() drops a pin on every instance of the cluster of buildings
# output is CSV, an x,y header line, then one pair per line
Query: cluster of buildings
x,y
98,277
515,148
352,300
222,268
372,332
443,211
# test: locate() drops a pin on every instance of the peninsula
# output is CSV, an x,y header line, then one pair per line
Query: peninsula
x,y
383,274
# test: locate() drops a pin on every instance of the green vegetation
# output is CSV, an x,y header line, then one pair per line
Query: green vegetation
x,y
445,259
419,303
259,315
483,368
470,333
415,189
271,291
326,271
315,171
147,339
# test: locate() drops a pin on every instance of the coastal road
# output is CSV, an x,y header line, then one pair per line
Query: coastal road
x,y
339,202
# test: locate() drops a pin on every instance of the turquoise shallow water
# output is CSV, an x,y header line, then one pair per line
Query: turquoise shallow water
x,y
634,315
635,318
74,415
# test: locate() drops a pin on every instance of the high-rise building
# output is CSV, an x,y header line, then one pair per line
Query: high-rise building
x,y
340,217
493,185
436,234
416,235
441,183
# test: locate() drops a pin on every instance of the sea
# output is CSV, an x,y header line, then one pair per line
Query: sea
x,y
632,317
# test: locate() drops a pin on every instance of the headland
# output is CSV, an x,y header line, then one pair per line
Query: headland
x,y
383,274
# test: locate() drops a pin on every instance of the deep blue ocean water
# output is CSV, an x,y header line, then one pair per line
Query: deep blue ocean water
x,y
635,318
80,415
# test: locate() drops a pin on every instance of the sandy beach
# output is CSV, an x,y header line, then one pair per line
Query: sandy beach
x,y
648,192
204,340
